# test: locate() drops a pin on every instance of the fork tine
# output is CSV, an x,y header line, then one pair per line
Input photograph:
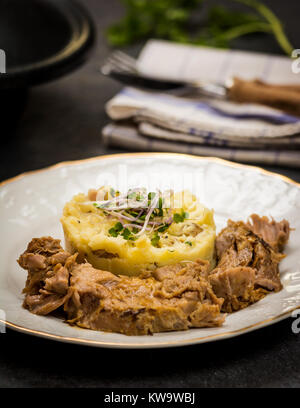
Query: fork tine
x,y
125,57
111,66
125,61
119,62
106,69
119,66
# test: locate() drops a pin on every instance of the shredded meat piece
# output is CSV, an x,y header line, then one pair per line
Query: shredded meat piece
x,y
44,303
47,281
167,272
175,298
236,287
45,246
247,267
274,233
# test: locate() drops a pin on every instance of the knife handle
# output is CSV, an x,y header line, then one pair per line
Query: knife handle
x,y
283,97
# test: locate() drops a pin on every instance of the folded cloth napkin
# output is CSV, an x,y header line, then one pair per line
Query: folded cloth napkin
x,y
128,137
241,132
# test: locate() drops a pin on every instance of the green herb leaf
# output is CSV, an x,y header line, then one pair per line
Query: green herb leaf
x,y
188,243
118,226
163,228
127,234
180,217
115,230
177,218
172,19
155,239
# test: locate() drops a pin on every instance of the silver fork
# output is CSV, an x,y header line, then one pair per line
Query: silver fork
x,y
124,68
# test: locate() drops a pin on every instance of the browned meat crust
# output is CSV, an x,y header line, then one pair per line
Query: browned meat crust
x,y
175,298
247,267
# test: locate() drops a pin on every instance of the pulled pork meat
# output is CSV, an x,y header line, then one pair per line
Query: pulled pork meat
x,y
174,298
247,261
47,285
274,233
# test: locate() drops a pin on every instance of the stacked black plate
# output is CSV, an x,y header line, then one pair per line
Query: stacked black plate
x,y
42,40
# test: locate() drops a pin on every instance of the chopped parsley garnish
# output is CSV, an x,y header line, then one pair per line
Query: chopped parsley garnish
x,y
115,231
163,228
127,234
188,243
155,239
180,217
118,226
118,229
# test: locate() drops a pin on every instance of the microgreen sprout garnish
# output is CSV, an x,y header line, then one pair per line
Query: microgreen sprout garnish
x,y
139,211
101,206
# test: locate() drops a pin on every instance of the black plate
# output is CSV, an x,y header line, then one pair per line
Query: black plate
x,y
42,40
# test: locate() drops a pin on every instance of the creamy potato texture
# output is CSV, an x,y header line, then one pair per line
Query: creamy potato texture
x,y
113,243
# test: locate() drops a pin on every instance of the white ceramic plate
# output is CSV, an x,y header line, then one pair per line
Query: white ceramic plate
x,y
31,205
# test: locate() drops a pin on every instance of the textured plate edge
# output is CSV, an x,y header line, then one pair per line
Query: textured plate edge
x,y
185,342
145,154
169,344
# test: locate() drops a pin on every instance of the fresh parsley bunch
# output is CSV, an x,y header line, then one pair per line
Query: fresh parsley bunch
x,y
153,18
170,19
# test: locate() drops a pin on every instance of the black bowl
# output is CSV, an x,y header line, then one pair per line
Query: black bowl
x,y
42,40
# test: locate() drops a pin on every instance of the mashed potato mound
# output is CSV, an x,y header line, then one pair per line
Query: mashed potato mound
x,y
184,230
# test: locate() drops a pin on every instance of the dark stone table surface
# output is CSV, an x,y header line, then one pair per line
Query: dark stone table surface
x,y
62,120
